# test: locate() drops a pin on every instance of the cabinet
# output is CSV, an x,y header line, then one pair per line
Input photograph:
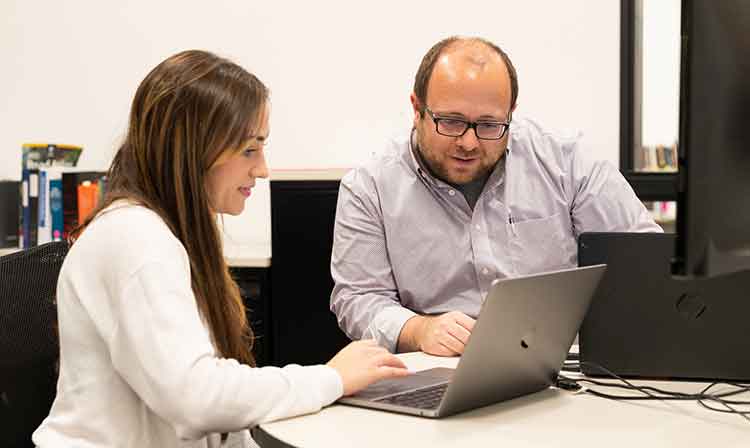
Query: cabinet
x,y
253,284
304,329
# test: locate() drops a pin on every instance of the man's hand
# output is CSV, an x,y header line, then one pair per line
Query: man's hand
x,y
443,335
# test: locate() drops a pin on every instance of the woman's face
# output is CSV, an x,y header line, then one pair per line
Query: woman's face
x,y
231,179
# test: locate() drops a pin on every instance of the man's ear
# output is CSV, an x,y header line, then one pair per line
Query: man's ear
x,y
416,108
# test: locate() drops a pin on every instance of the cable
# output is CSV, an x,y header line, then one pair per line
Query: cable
x,y
652,393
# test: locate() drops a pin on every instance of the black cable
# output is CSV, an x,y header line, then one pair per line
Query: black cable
x,y
654,393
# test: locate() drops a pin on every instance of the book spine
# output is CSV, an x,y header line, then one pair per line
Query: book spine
x,y
33,206
87,196
44,226
56,205
24,216
29,207
69,203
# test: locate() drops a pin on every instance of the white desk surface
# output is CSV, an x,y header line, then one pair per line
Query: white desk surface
x,y
255,255
551,418
239,256
8,251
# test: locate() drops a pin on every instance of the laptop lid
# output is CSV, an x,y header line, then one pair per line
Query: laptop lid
x,y
645,323
519,342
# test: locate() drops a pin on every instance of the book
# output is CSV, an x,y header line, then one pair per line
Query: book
x,y
70,181
88,193
661,161
9,209
50,205
29,207
44,225
33,157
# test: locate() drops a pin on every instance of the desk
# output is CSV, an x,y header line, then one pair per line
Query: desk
x,y
251,255
551,418
8,250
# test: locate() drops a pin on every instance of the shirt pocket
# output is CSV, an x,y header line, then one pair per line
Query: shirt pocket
x,y
543,244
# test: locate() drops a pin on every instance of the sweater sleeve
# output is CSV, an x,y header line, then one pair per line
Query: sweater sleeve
x,y
162,349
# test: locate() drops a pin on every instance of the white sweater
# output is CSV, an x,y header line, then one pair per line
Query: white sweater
x,y
137,365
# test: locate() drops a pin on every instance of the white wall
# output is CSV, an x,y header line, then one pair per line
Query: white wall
x,y
661,72
340,71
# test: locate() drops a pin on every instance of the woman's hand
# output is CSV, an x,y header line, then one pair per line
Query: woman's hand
x,y
362,363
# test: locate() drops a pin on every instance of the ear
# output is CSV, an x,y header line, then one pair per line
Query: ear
x,y
415,106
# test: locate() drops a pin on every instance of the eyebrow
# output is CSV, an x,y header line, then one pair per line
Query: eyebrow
x,y
484,117
256,137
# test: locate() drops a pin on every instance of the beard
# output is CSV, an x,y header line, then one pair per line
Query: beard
x,y
443,163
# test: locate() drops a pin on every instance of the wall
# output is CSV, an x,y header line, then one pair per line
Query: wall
x,y
661,72
340,72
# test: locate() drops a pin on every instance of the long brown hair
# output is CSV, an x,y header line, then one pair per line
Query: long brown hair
x,y
188,111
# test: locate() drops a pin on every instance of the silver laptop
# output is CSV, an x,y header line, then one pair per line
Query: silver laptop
x,y
518,345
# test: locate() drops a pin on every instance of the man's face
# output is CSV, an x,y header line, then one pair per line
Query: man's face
x,y
470,84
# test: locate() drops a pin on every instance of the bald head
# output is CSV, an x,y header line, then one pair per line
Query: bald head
x,y
457,57
466,65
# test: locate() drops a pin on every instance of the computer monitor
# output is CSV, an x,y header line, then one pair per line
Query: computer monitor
x,y
713,200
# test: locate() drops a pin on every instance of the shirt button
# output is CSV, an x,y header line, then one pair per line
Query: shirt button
x,y
478,227
451,192
485,271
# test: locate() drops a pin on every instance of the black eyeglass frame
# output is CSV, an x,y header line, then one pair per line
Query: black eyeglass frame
x,y
469,125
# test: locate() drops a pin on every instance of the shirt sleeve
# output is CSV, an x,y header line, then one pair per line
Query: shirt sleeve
x,y
365,298
602,200
161,348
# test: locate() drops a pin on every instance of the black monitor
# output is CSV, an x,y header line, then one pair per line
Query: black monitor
x,y
713,200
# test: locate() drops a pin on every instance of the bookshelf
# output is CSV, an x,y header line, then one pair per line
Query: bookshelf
x,y
649,103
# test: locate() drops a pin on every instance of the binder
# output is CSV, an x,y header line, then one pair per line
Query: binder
x,y
29,207
88,193
9,212
50,205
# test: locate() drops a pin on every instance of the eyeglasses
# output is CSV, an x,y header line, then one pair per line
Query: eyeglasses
x,y
455,127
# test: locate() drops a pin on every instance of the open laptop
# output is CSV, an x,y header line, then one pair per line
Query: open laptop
x,y
643,322
518,345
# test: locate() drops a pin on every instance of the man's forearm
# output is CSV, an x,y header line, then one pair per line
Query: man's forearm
x,y
408,339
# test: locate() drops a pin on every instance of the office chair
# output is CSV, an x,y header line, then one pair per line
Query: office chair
x,y
29,349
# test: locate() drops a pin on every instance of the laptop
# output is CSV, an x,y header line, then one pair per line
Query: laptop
x,y
643,322
518,345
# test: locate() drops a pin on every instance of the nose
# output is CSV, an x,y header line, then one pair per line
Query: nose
x,y
261,168
469,140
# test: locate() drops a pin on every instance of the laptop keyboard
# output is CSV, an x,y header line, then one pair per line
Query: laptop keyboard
x,y
427,398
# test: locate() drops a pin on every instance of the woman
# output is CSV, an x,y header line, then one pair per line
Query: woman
x,y
154,341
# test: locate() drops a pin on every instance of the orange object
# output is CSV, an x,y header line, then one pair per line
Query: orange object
x,y
88,193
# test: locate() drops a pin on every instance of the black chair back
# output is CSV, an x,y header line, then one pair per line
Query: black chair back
x,y
29,349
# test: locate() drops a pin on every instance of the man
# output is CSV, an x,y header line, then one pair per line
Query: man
x,y
469,195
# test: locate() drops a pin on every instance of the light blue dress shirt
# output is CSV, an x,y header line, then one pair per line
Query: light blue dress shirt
x,y
406,242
